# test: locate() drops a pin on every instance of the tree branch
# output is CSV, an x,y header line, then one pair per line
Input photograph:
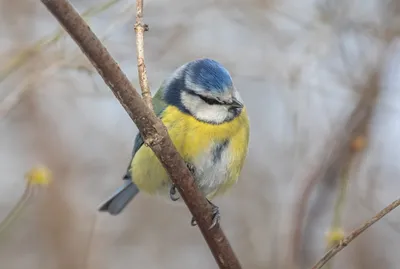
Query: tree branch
x,y
140,28
154,133
343,243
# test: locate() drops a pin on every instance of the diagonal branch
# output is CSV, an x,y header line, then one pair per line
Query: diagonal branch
x,y
151,128
140,28
343,243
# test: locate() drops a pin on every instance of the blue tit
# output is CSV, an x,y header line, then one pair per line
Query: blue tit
x,y
209,126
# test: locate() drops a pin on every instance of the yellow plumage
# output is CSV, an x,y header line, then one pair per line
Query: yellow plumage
x,y
191,138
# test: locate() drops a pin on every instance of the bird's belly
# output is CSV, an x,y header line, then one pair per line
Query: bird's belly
x,y
211,170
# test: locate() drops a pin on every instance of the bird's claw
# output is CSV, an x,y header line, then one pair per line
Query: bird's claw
x,y
216,216
173,193
193,222
191,168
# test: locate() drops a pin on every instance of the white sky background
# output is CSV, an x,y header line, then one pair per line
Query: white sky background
x,y
299,66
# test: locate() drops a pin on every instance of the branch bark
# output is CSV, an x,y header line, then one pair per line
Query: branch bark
x,y
154,133
343,243
140,28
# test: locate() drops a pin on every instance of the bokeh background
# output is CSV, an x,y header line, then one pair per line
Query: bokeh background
x,y
300,66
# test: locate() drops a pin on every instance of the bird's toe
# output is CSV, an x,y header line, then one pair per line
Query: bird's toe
x,y
173,194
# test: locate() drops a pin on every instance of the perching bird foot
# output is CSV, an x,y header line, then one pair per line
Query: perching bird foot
x,y
216,216
191,168
173,194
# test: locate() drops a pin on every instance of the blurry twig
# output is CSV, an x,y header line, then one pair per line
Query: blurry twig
x,y
16,62
151,128
17,209
140,28
337,217
90,242
38,176
14,96
337,156
343,243
358,144
335,232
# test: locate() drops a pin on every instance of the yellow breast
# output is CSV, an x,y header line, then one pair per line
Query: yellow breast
x,y
191,137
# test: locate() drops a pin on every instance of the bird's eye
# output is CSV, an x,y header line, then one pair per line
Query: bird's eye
x,y
210,101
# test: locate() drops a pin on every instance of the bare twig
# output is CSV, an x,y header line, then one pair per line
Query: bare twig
x,y
340,153
140,28
343,243
151,128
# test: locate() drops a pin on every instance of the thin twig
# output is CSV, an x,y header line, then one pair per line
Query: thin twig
x,y
343,243
140,28
339,206
151,128
17,209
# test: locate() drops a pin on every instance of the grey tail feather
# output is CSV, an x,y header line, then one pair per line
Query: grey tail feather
x,y
120,199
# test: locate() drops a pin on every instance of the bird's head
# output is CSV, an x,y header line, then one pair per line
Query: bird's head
x,y
204,89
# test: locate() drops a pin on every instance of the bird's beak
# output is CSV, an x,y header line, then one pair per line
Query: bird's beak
x,y
236,103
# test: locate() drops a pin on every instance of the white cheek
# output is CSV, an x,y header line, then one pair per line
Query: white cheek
x,y
204,111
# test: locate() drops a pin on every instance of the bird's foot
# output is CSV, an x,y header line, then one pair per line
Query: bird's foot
x,y
216,216
191,168
173,194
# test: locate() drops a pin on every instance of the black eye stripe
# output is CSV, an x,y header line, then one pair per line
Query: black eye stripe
x,y
209,101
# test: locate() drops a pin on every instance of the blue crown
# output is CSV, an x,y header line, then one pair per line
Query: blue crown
x,y
209,75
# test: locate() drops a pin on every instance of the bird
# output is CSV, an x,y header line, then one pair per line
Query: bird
x,y
207,122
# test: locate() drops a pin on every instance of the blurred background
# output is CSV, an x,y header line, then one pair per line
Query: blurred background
x,y
300,66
